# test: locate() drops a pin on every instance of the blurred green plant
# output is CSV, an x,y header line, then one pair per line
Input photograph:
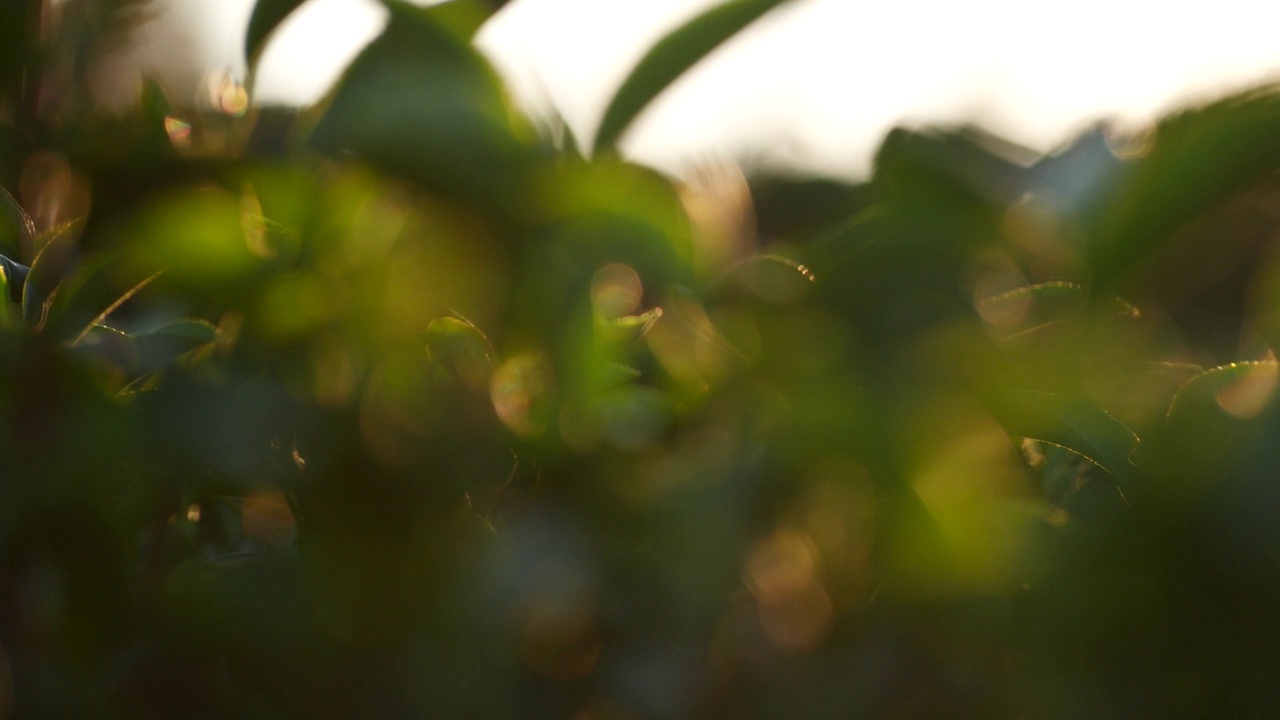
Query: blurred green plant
x,y
417,413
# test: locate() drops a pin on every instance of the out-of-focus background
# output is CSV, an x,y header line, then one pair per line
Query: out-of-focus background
x,y
397,406
814,87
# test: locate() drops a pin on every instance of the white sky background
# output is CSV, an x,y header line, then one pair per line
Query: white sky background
x,y
816,84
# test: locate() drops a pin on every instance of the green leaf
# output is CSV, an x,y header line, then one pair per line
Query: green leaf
x,y
1075,424
463,17
1199,158
443,117
48,270
1241,389
1217,420
115,305
15,277
267,16
17,231
671,58
1022,312
162,345
461,349
6,312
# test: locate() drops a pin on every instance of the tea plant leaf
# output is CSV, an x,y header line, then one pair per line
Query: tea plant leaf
x,y
460,348
17,231
1058,294
114,306
463,17
1198,158
15,277
671,58
162,345
6,312
1075,424
1241,389
444,119
48,270
191,330
267,16
1216,418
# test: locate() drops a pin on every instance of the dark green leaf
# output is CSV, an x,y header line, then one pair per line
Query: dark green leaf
x,y
17,232
463,17
159,347
461,349
267,16
1198,159
1213,422
1075,424
48,270
671,58
442,120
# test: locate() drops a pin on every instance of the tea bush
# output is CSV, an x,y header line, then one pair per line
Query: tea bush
x,y
398,408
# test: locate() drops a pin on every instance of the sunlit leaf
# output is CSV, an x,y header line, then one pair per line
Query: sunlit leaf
x,y
463,17
670,58
1046,302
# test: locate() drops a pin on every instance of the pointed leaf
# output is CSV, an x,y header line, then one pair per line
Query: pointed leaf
x,y
461,349
17,231
1240,389
267,16
161,346
1075,424
463,17
1218,419
443,118
6,312
48,270
671,58
15,277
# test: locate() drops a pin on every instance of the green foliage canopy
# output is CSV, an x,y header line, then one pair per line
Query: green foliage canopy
x,y
416,414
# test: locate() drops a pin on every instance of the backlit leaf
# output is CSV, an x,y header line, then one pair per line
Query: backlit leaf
x,y
671,58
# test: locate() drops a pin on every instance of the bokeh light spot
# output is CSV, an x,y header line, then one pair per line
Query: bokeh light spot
x,y
616,290
782,572
1248,393
515,389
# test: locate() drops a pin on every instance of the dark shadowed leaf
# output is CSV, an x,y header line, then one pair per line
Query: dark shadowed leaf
x,y
1076,424
162,345
48,270
442,117
17,232
461,349
1214,422
1198,159
15,276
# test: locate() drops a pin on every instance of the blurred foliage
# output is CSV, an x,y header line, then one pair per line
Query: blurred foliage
x,y
394,408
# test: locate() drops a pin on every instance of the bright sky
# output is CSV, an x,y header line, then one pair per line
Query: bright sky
x,y
817,84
